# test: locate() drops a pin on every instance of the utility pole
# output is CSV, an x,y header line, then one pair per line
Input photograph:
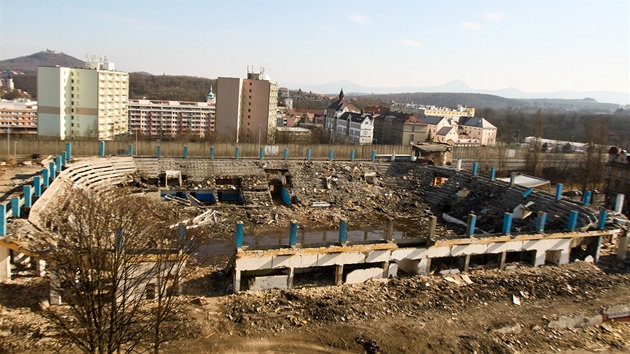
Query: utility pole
x,y
8,143
136,150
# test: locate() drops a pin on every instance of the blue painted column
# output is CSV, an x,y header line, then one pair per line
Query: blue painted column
x,y
373,155
475,168
527,192
119,240
159,151
15,207
603,214
587,198
352,153
573,216
37,183
101,149
343,231
130,154
493,173
46,177
286,153
51,168
237,153
3,219
512,178
185,151
308,154
293,234
239,235
211,152
507,223
57,165
540,222
64,159
472,220
69,151
261,154
331,154
558,190
28,196
181,234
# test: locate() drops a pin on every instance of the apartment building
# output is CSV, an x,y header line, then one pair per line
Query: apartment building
x,y
478,129
424,110
399,129
160,119
18,117
82,103
246,109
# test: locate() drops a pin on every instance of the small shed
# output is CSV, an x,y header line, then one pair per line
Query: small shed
x,y
439,154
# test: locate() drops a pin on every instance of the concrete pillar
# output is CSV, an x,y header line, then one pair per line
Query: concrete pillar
x,y
68,151
37,184
389,229
15,207
236,285
424,266
212,152
290,279
558,190
365,235
339,274
502,258
603,214
64,159
308,154
239,234
343,231
432,225
55,285
51,170
512,178
159,151
622,247
493,173
331,154
540,222
293,233
464,262
5,264
101,149
507,223
470,229
539,258
28,196
373,155
586,199
352,153
475,168
594,247
527,192
286,153
573,216
40,267
3,219
459,165
58,165
185,151
619,200
46,177
261,154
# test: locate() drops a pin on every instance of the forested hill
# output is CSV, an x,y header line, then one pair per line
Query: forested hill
x,y
167,87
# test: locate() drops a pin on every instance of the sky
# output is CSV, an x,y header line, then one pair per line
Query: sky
x,y
534,45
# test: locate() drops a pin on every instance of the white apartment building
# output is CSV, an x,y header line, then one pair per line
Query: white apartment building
x,y
18,117
157,119
246,109
82,103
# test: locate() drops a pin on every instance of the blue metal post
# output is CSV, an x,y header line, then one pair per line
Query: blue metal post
x,y
573,216
119,240
587,198
527,192
540,222
286,153
185,151
181,234
3,219
512,178
352,153
69,151
373,155
331,153
15,207
558,190
237,153
493,173
130,150
507,223
28,196
46,177
37,183
51,168
64,159
308,154
261,153
101,149
239,235
475,168
603,214
159,151
293,234
472,220
343,231
58,165
211,152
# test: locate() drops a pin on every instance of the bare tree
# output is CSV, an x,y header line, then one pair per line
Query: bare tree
x,y
533,159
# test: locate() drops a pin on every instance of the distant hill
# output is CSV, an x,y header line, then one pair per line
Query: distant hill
x,y
28,64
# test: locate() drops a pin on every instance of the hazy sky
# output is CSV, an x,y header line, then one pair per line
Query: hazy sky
x,y
534,45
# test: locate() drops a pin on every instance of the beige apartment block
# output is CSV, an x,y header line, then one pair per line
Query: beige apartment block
x,y
82,103
157,119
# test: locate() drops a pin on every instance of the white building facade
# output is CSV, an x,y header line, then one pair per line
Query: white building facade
x,y
157,119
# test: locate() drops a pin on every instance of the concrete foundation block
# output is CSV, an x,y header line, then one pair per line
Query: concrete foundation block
x,y
363,275
408,253
270,282
378,256
437,252
462,250
392,270
340,258
5,264
511,246
254,263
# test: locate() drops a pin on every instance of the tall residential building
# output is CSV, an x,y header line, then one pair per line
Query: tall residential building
x,y
157,119
18,117
82,103
246,108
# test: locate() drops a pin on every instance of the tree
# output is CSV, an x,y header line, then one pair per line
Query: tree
x,y
533,159
111,253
